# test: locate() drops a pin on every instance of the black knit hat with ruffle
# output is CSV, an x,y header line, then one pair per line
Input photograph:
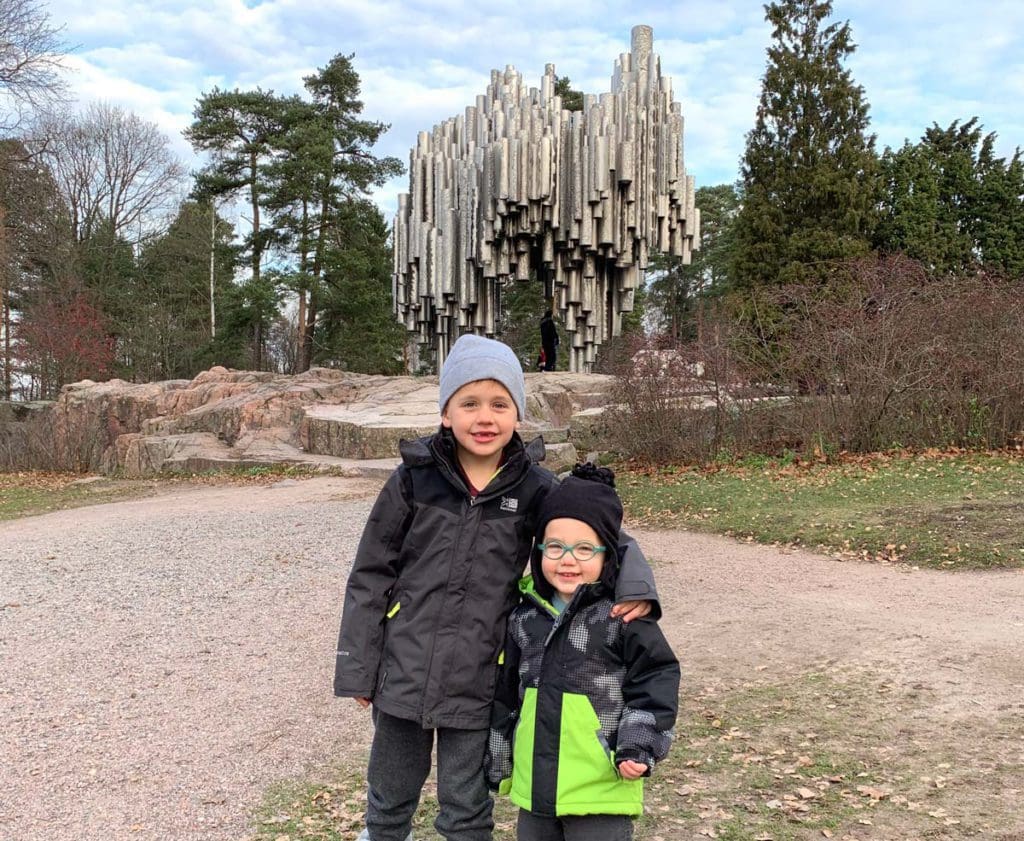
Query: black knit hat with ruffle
x,y
589,495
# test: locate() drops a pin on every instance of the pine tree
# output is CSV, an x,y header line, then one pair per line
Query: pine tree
x,y
239,129
572,99
324,165
809,169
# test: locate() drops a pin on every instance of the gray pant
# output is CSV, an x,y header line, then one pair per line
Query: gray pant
x,y
533,827
399,765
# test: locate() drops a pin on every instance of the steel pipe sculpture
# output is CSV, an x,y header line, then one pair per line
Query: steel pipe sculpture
x,y
517,185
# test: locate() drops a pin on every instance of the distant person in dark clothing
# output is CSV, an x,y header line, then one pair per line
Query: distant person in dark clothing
x,y
549,341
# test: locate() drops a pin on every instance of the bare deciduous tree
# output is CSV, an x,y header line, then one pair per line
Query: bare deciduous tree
x,y
30,62
113,168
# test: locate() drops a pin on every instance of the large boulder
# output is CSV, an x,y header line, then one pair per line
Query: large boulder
x,y
323,419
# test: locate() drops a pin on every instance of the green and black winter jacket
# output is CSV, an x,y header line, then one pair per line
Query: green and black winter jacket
x,y
579,692
434,579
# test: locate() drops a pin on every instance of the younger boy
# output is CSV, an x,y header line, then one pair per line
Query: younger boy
x,y
584,704
433,581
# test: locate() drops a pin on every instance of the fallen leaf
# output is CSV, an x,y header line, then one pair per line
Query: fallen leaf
x,y
873,793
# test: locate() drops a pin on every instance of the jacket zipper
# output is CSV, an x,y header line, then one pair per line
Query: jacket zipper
x,y
455,479
562,618
441,614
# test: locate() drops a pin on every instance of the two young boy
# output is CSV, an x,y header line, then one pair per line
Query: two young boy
x,y
433,582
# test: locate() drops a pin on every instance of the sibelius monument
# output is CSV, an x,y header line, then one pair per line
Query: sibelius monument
x,y
517,184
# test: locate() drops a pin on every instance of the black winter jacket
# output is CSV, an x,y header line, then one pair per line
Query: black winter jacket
x,y
434,579
578,693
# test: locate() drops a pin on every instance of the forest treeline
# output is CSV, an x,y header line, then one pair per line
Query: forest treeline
x,y
117,261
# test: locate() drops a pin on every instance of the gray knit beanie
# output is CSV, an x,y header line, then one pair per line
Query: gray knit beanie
x,y
475,358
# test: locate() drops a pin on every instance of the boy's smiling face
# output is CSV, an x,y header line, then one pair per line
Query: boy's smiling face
x,y
482,416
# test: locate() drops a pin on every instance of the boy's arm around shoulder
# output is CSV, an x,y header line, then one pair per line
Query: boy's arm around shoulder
x,y
373,575
635,582
650,694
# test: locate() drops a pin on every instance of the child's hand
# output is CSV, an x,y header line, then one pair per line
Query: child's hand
x,y
363,702
631,610
631,770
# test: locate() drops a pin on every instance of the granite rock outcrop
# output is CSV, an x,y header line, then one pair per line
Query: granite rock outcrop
x,y
224,419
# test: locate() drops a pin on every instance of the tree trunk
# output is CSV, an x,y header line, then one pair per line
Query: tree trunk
x,y
306,350
300,330
4,302
257,254
7,346
257,248
300,339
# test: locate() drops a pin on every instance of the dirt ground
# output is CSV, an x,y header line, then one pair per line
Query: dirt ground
x,y
165,660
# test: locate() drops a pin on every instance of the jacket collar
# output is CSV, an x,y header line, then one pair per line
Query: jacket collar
x,y
585,594
439,449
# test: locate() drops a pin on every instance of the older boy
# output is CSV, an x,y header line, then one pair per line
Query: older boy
x,y
431,586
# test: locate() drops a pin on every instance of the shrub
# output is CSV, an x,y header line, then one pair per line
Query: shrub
x,y
882,355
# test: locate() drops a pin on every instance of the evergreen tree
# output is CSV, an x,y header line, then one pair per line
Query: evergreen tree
x,y
302,163
1000,231
325,166
522,306
240,129
358,330
676,290
37,250
107,272
173,312
949,202
572,99
809,169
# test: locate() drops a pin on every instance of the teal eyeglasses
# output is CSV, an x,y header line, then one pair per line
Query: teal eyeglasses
x,y
582,551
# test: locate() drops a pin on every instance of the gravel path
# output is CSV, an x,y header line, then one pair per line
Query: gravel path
x,y
166,659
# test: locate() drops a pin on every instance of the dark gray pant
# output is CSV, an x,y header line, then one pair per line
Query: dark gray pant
x,y
399,765
533,827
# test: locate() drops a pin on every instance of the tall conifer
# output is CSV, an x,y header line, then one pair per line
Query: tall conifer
x,y
808,172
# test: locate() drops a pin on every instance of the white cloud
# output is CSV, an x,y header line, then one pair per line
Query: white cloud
x,y
422,61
